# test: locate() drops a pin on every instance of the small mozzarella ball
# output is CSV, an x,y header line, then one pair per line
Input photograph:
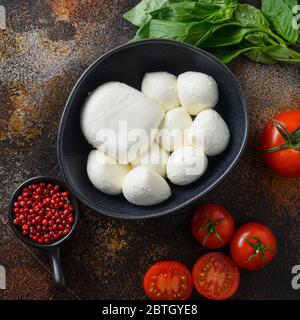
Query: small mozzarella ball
x,y
145,187
174,129
197,91
155,159
105,173
161,87
186,165
211,132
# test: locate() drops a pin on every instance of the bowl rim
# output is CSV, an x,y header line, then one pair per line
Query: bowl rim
x,y
88,70
27,240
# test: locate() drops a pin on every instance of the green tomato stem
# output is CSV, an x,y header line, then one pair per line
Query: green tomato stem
x,y
292,140
210,228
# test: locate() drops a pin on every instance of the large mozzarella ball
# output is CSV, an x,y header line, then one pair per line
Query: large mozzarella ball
x,y
161,87
145,187
105,173
197,91
155,159
118,119
210,132
174,129
186,165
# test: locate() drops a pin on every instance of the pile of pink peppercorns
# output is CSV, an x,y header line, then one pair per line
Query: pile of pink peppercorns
x,y
43,212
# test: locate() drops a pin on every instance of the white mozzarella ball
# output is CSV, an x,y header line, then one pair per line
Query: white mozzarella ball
x,y
186,165
197,91
173,133
105,173
161,87
211,132
145,187
118,119
155,159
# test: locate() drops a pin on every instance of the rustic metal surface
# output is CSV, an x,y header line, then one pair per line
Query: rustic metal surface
x,y
45,47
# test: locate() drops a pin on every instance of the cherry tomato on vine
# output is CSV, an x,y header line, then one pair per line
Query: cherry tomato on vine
x,y
168,280
280,143
253,246
212,226
216,276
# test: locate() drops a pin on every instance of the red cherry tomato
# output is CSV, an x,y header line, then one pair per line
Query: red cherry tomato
x,y
168,280
216,276
212,226
253,246
280,143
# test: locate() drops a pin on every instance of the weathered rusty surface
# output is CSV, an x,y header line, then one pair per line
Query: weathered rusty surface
x,y
46,46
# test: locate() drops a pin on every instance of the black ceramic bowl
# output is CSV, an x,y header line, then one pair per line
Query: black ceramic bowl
x,y
53,248
128,64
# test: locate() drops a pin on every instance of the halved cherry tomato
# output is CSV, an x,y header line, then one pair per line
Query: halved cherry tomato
x,y
280,143
216,276
212,226
168,280
253,246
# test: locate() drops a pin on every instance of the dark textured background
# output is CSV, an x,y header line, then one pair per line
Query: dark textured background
x,y
44,49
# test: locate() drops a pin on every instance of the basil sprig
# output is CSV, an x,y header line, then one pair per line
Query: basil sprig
x,y
224,27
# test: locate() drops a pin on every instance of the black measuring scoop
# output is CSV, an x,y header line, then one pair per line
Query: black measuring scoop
x,y
53,248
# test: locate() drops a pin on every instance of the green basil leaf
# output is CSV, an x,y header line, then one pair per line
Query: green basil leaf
x,y
282,54
198,31
184,12
231,3
280,15
259,56
225,36
291,3
234,34
223,15
140,14
226,3
194,11
249,16
186,32
143,32
227,54
258,38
